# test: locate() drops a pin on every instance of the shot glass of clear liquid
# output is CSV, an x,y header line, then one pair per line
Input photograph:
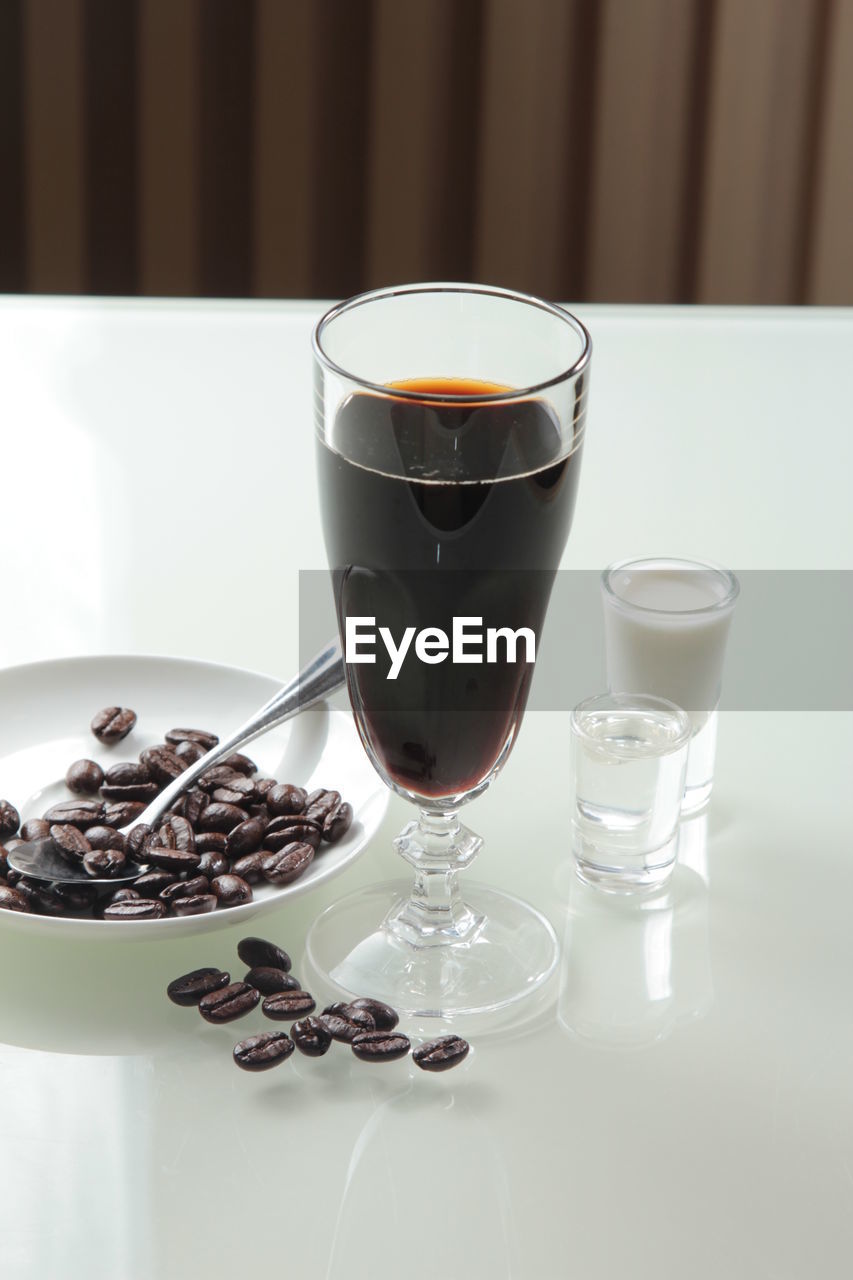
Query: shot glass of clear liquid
x,y
629,756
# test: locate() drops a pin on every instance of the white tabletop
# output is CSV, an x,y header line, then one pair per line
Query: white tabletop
x,y
682,1104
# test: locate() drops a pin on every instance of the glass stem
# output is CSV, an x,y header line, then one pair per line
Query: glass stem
x,y
438,847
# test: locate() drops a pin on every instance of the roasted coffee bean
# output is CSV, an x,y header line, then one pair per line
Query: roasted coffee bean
x,y
77,897
440,1054
120,813
384,1017
138,841
259,811
257,952
191,805
284,1006
259,1053
229,1002
84,777
283,799
189,752
128,773
125,894
70,841
113,723
135,909
245,838
295,831
10,819
43,898
100,863
242,764
200,737
4,862
172,859
213,865
35,829
288,864
211,842
198,905
145,791
184,888
338,822
190,987
264,785
345,1026
13,900
240,786
267,980
380,1046
152,884
338,1007
163,764
222,817
319,804
231,890
224,795
218,775
311,1037
76,813
106,838
176,833
249,867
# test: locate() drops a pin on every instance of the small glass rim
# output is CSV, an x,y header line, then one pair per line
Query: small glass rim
x,y
434,397
647,562
635,702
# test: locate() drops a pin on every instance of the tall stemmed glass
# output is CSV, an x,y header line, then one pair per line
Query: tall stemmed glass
x,y
449,425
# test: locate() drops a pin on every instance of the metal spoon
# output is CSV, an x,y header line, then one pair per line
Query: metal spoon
x,y
42,860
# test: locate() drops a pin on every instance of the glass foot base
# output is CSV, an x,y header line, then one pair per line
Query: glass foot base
x,y
509,955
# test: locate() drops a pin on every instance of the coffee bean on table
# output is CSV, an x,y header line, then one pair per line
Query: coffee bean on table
x,y
211,842
338,823
70,841
218,775
191,805
145,791
152,884
13,899
267,980
320,803
76,813
177,833
163,764
258,951
189,752
172,859
197,905
106,838
10,819
111,724
222,817
264,785
104,862
245,838
215,864
283,830
239,786
259,1053
35,829
340,1007
311,1037
288,863
84,777
120,813
229,1002
200,737
138,840
346,1025
184,888
284,1006
127,773
231,890
440,1054
249,867
283,799
380,1046
384,1017
190,987
135,909
241,764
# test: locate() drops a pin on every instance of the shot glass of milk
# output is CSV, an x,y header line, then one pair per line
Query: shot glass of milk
x,y
666,623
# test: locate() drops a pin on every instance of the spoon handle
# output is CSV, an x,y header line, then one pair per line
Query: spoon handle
x,y
316,681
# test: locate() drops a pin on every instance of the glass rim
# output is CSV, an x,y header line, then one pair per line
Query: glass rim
x,y
434,397
619,701
700,566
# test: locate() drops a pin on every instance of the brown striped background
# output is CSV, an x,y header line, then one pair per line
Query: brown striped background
x,y
612,150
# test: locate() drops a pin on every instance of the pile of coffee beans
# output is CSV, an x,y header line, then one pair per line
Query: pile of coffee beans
x,y
368,1026
231,831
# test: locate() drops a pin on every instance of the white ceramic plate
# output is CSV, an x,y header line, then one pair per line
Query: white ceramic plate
x,y
45,710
